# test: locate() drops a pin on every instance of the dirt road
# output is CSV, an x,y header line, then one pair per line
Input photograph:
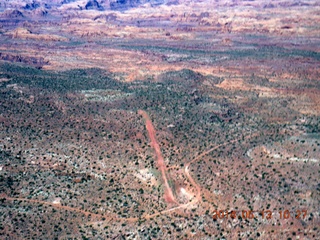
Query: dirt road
x,y
161,164
54,205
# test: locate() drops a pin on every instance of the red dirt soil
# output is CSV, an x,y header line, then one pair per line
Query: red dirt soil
x,y
169,197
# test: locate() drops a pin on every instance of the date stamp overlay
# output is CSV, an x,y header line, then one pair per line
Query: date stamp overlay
x,y
263,214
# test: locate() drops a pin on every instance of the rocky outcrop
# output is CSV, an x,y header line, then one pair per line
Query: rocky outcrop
x,y
12,14
41,12
26,34
31,61
32,6
93,5
126,4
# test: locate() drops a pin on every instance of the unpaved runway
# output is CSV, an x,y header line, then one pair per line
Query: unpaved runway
x,y
152,134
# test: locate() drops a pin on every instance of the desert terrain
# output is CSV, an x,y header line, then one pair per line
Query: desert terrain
x,y
159,119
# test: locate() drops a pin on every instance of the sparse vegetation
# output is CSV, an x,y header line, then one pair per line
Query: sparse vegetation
x,y
233,98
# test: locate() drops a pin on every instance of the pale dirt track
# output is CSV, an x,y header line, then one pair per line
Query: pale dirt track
x,y
57,206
